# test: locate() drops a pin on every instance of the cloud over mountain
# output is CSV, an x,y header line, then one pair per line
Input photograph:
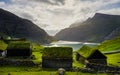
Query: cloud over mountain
x,y
58,14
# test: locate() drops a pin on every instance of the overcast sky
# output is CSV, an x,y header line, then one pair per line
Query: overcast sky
x,y
53,15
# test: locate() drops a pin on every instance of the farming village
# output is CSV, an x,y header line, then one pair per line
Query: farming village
x,y
28,56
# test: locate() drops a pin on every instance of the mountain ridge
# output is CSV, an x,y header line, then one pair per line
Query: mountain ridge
x,y
14,26
94,29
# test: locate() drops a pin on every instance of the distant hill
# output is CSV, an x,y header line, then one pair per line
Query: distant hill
x,y
17,27
95,29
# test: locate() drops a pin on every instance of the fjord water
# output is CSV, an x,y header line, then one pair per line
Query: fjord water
x,y
73,44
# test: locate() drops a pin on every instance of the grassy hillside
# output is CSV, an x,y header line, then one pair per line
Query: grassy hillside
x,y
3,45
113,59
110,45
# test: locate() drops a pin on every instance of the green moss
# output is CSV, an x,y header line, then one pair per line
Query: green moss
x,y
86,51
38,57
57,52
19,45
37,47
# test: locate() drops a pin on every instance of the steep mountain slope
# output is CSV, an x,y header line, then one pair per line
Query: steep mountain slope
x,y
17,27
114,34
94,29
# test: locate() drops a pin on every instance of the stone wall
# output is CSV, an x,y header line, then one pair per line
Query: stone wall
x,y
56,63
98,61
5,62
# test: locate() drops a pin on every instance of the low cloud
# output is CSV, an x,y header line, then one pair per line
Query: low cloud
x,y
58,14
52,2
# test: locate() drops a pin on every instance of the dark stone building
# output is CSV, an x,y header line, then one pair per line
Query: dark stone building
x,y
57,57
19,49
97,57
91,56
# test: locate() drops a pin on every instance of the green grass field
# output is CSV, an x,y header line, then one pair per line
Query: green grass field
x,y
47,73
19,69
114,59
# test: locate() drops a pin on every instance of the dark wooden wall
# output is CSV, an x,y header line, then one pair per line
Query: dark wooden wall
x,y
98,61
17,52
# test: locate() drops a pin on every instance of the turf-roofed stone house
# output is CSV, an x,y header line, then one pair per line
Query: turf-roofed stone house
x,y
57,57
89,55
19,49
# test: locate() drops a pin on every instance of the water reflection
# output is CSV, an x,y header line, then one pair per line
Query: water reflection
x,y
74,45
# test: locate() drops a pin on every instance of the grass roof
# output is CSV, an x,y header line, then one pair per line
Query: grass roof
x,y
86,51
19,45
57,52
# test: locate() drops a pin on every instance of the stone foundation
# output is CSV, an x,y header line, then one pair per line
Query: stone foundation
x,y
56,63
5,62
